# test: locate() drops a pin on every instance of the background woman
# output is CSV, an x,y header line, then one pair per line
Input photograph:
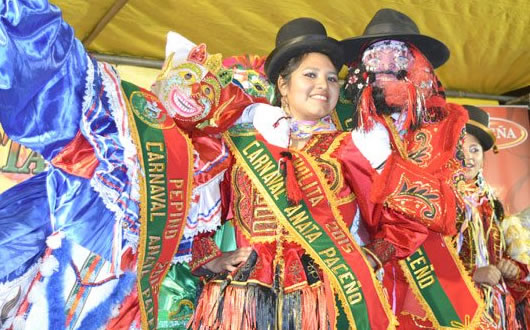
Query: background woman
x,y
480,241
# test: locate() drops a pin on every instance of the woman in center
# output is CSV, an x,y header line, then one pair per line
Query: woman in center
x,y
295,193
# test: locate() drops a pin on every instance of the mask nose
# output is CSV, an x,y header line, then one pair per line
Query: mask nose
x,y
195,88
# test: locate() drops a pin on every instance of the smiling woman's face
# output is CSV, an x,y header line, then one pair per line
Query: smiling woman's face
x,y
312,90
473,156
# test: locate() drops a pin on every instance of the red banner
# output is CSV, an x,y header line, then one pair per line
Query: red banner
x,y
509,170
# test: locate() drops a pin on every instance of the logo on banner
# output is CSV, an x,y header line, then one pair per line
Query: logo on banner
x,y
149,109
508,133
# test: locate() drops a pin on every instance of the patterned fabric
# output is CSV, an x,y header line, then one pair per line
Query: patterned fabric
x,y
65,105
480,243
345,171
382,249
204,250
303,129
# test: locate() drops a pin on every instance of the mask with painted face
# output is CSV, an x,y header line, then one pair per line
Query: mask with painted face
x,y
394,76
195,87
387,59
249,74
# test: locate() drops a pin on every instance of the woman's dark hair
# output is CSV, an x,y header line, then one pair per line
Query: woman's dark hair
x,y
498,209
285,73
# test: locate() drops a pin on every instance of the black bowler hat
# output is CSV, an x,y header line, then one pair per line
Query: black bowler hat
x,y
392,24
300,36
478,126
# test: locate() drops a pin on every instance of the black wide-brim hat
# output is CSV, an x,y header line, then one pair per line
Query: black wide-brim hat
x,y
478,126
390,24
300,36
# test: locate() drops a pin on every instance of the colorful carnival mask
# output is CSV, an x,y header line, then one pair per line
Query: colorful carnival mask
x,y
394,76
387,57
248,73
193,85
247,76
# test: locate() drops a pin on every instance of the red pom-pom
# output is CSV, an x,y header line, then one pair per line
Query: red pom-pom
x,y
294,193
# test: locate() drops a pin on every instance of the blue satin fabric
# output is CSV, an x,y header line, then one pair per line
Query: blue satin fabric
x,y
41,80
26,221
42,86
24,226
79,212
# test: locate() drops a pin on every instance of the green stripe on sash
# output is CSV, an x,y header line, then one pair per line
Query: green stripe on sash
x,y
426,282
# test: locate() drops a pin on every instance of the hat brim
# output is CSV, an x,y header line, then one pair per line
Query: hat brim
x,y
485,138
434,50
279,57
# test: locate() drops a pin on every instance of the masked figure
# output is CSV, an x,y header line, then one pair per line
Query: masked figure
x,y
411,137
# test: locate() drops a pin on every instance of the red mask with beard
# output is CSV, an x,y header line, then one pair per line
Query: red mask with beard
x,y
414,88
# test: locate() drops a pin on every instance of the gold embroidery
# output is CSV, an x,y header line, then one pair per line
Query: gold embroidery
x,y
415,198
421,150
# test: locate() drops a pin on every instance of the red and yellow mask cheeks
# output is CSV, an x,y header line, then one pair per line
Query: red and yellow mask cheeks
x,y
248,74
189,92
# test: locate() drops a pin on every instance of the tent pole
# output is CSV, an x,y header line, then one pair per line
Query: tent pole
x,y
109,15
157,64
524,99
129,60
471,95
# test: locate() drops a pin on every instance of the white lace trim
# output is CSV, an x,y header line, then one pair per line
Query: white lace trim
x,y
181,259
207,206
119,113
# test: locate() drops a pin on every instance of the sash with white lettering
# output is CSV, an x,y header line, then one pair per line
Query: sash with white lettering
x,y
439,281
165,155
324,238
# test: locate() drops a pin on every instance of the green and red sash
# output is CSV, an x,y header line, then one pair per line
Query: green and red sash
x,y
442,286
342,115
324,236
165,156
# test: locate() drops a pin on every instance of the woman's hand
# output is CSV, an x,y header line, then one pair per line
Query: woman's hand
x,y
508,269
487,275
229,261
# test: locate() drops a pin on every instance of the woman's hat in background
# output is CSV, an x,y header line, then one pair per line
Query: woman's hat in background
x,y
390,24
478,126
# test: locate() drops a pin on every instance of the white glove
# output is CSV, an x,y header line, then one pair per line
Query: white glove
x,y
374,145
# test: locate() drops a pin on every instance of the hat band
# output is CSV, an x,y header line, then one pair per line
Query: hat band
x,y
390,29
307,37
483,127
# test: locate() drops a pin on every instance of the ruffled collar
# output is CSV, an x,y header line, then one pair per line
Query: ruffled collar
x,y
277,128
